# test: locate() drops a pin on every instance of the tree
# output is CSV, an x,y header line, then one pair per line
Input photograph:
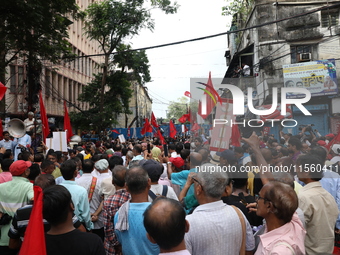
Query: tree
x,y
36,30
182,106
111,21
117,90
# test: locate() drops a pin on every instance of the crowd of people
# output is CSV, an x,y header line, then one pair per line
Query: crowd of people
x,y
266,196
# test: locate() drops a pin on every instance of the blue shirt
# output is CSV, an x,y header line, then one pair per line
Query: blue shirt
x,y
80,202
134,240
331,182
181,178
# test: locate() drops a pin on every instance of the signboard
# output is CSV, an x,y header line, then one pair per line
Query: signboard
x,y
319,77
220,134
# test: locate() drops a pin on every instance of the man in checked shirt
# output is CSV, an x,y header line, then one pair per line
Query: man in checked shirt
x,y
111,206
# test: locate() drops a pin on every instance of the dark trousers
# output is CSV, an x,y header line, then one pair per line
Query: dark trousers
x,y
4,250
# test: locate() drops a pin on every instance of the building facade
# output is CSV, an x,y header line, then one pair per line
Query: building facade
x,y
278,33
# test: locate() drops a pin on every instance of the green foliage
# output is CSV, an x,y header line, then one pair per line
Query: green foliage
x,y
234,6
116,101
180,107
137,61
37,26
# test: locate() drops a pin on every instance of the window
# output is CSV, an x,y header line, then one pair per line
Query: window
x,y
16,79
301,53
329,18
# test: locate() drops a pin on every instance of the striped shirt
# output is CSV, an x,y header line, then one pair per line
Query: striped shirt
x,y
13,195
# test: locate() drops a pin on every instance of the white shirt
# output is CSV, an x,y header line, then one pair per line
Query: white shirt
x,y
246,70
29,124
335,159
215,228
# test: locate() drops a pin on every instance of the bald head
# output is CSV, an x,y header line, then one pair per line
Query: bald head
x,y
195,159
136,179
164,220
118,175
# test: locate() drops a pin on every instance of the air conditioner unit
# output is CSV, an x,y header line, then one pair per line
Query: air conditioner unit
x,y
305,57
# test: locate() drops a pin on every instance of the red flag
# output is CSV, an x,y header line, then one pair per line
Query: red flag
x,y
67,123
211,98
115,131
235,136
147,127
172,130
34,239
184,118
187,94
154,121
3,89
45,127
159,134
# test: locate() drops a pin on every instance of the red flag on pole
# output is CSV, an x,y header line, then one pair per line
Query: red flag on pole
x,y
147,127
211,98
115,131
184,118
161,138
235,136
45,127
187,94
172,130
3,89
34,239
67,123
154,121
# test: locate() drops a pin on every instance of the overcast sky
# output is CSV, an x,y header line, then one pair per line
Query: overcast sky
x,y
173,66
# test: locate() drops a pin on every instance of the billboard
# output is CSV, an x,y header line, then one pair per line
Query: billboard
x,y
319,77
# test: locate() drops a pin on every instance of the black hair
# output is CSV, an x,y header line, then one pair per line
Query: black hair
x,y
5,133
136,179
39,157
138,148
87,166
56,204
6,163
168,229
284,152
25,155
96,157
309,161
320,152
238,150
44,181
67,169
125,151
187,146
118,175
171,147
115,161
81,156
45,164
295,142
34,172
185,153
179,148
8,153
118,147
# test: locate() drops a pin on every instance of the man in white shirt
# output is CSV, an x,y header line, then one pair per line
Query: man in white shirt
x,y
215,227
29,122
7,143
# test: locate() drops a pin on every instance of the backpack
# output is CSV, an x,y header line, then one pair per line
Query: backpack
x,y
164,192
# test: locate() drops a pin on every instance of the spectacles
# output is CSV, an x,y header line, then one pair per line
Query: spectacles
x,y
257,198
195,180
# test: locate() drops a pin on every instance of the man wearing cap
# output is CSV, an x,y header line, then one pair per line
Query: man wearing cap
x,y
155,169
13,195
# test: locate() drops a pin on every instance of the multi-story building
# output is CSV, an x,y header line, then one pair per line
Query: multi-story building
x,y
278,33
59,82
